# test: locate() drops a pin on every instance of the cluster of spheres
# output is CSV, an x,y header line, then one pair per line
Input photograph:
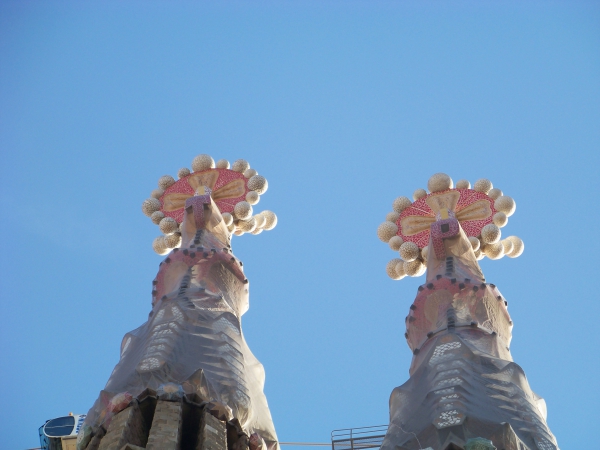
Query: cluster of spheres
x,y
487,242
237,212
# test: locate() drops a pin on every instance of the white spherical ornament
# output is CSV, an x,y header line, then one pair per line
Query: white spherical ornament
x,y
159,246
247,226
156,217
494,193
490,234
425,254
390,268
150,205
252,197
413,268
257,231
250,173
518,246
422,270
400,204
500,219
168,225
231,227
157,193
494,251
241,165
271,219
243,210
419,193
222,164
258,183
463,184
165,181
475,243
386,231
183,172
439,182
409,251
227,218
508,245
260,220
395,242
173,240
202,162
483,185
400,269
238,232
506,205
392,216
479,255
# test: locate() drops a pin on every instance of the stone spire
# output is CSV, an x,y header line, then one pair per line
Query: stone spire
x,y
464,390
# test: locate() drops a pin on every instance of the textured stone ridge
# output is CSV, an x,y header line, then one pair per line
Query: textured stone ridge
x,y
165,433
127,427
149,423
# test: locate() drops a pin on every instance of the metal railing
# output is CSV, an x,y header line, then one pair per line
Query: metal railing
x,y
358,438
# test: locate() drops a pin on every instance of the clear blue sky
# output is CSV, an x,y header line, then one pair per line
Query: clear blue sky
x,y
343,106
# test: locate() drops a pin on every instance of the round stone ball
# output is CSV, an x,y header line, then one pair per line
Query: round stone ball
x,y
409,251
463,184
400,204
386,231
425,254
413,268
500,219
518,246
395,242
250,173
490,234
150,206
241,165
271,219
391,269
506,205
157,193
261,220
400,270
223,164
165,181
475,243
419,193
439,182
168,225
483,185
494,251
258,183
508,245
160,246
252,197
479,255
173,240
156,217
202,162
183,172
247,226
392,216
227,218
243,210
494,193
257,231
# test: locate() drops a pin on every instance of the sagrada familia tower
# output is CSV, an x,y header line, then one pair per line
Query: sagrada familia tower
x,y
464,390
187,380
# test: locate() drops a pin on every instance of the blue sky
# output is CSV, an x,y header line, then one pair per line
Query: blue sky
x,y
343,106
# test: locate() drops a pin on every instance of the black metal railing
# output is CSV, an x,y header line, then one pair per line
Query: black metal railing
x,y
358,438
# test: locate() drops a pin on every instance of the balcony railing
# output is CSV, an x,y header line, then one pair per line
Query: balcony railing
x,y
358,438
